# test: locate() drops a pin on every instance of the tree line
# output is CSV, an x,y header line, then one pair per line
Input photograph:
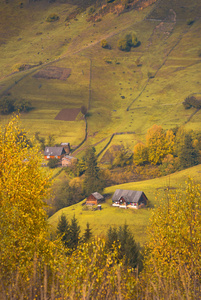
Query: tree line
x,y
175,149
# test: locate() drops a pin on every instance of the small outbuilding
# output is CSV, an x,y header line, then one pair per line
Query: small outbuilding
x,y
95,199
68,160
129,199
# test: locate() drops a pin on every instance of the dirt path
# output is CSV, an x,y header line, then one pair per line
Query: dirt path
x,y
159,68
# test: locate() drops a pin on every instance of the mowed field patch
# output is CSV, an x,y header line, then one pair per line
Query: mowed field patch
x,y
53,73
68,114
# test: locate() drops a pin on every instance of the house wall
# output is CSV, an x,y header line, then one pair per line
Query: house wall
x,y
143,200
91,200
50,156
66,163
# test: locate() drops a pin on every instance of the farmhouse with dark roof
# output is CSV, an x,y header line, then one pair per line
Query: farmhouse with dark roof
x,y
129,199
54,152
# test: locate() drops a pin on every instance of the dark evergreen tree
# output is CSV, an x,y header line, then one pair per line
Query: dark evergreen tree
x,y
87,234
129,250
112,237
63,230
66,195
188,155
93,181
74,233
184,149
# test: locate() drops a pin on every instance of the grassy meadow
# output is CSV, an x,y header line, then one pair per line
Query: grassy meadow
x,y
155,190
124,91
126,95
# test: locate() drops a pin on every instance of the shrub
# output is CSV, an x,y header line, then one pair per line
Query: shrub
x,y
123,45
108,60
53,163
104,44
91,10
9,105
190,21
52,18
199,53
130,40
83,110
191,101
150,75
22,106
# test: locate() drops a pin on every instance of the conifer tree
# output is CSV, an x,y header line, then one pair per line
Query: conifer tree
x,y
112,237
128,248
184,149
63,230
93,181
87,234
74,233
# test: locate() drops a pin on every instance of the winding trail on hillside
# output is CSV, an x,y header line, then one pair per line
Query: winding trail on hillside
x,y
159,68
69,53
78,149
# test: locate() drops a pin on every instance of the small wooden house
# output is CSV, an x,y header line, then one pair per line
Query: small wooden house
x,y
129,199
68,160
54,152
95,199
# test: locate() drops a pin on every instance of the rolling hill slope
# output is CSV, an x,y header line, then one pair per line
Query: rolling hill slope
x,y
124,91
155,190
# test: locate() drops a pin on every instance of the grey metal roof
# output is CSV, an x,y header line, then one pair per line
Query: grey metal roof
x,y
69,157
129,195
54,151
97,196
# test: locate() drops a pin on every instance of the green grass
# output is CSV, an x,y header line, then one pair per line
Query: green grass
x,y
137,220
168,50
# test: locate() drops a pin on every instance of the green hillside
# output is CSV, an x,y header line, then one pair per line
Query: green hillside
x,y
137,220
124,91
61,66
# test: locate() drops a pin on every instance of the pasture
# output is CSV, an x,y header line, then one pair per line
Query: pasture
x,y
138,220
124,91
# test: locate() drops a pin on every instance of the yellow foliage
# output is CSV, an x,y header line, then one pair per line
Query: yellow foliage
x,y
140,154
23,188
159,143
174,236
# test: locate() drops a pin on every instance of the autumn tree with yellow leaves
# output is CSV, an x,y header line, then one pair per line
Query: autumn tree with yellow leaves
x,y
23,220
159,143
173,253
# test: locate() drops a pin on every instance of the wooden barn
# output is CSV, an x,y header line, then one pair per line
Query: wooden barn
x,y
129,199
54,152
95,199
